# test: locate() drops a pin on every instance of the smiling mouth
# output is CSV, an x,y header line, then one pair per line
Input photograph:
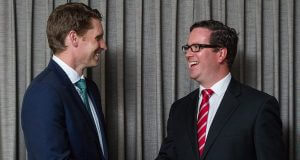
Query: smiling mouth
x,y
192,64
97,53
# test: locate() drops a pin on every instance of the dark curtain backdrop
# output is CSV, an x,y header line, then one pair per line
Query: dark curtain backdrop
x,y
144,70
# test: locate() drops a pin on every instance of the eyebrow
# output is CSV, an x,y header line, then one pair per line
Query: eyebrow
x,y
100,36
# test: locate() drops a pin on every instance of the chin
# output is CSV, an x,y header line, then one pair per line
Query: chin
x,y
94,64
193,75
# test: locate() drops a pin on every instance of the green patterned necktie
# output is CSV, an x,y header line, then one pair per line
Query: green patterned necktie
x,y
81,84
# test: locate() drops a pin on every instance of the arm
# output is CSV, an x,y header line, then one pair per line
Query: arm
x,y
43,123
167,150
268,132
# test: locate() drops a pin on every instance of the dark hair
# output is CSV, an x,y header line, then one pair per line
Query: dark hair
x,y
68,17
221,35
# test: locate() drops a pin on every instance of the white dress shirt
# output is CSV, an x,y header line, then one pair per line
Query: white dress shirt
x,y
74,77
219,89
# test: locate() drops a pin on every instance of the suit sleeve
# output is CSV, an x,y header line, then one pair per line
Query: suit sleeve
x,y
268,132
43,123
167,150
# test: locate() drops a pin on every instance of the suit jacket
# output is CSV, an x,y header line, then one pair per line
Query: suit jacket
x,y
55,122
247,126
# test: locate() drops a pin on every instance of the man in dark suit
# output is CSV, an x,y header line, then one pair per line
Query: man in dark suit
x,y
222,119
61,114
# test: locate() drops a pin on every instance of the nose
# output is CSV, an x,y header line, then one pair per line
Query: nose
x,y
103,45
188,53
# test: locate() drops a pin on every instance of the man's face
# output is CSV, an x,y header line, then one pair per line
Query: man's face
x,y
90,45
202,65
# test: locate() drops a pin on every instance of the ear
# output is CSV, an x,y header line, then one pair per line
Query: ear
x,y
73,38
222,55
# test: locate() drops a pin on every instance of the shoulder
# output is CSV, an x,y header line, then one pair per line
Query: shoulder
x,y
44,86
52,76
253,93
186,100
188,97
249,96
44,96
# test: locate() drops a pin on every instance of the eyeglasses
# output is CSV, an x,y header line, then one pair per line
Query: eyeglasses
x,y
197,47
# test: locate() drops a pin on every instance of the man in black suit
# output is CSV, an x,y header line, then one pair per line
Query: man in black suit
x,y
61,114
222,119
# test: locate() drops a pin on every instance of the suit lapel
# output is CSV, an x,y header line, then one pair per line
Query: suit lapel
x,y
228,105
71,89
192,120
96,100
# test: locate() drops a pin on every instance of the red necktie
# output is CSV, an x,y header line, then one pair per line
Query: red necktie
x,y
202,118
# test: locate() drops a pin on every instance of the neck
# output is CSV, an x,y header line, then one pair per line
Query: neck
x,y
70,61
209,81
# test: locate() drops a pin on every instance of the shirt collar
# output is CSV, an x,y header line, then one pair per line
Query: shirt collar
x,y
219,87
71,73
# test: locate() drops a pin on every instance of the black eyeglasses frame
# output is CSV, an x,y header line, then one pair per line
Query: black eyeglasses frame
x,y
186,47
